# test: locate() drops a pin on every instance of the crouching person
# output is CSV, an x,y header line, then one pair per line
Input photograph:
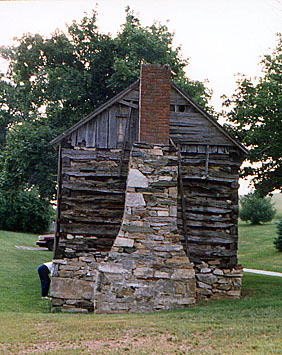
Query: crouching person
x,y
43,271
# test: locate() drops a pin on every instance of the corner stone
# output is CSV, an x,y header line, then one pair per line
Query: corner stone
x,y
71,288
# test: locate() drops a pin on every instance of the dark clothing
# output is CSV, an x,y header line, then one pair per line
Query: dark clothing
x,y
43,273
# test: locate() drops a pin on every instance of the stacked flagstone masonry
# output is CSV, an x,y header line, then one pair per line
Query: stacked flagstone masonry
x,y
147,268
214,283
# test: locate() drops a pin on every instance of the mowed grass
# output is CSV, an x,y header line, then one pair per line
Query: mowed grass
x,y
251,325
19,281
256,248
248,326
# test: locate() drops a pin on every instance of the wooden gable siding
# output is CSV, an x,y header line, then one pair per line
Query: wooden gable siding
x,y
190,126
132,95
106,129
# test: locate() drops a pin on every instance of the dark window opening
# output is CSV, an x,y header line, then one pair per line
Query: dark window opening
x,y
181,108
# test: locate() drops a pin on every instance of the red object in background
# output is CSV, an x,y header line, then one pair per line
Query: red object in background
x,y
46,241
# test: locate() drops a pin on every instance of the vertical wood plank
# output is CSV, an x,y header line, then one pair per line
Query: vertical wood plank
x,y
112,128
73,138
89,135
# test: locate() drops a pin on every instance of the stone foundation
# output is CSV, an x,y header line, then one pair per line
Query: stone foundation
x,y
73,283
213,283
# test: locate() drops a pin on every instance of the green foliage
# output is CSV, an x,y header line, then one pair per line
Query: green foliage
x,y
28,159
24,211
256,119
278,240
54,82
256,209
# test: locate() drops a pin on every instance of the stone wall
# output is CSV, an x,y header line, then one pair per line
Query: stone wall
x,y
147,269
214,283
73,283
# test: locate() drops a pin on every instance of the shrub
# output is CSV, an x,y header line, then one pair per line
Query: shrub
x,y
256,209
278,240
24,211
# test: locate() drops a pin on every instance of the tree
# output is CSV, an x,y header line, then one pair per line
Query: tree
x,y
256,119
54,82
278,240
28,160
256,209
23,211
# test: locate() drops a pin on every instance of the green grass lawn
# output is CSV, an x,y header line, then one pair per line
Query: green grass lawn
x,y
20,284
256,248
248,326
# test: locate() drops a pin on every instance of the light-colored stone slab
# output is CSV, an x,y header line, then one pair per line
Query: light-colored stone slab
x,y
111,268
218,272
207,278
135,199
161,275
203,285
172,191
143,272
71,288
168,247
136,179
183,274
205,270
173,211
163,213
124,242
234,293
157,152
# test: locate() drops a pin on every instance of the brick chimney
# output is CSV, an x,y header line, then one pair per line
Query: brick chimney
x,y
154,104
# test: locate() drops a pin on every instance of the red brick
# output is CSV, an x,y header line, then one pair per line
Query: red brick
x,y
154,111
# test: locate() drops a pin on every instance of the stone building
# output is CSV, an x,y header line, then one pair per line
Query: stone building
x,y
147,204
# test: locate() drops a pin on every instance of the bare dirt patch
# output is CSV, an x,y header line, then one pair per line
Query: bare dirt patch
x,y
127,344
